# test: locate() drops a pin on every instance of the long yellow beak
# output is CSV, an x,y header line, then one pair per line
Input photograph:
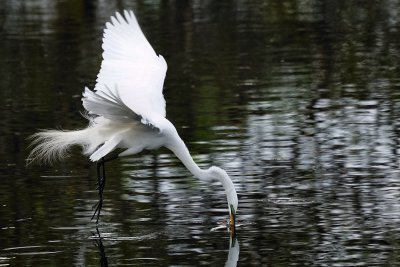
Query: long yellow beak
x,y
232,218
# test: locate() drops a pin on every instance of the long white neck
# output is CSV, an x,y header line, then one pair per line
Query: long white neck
x,y
176,145
179,148
181,152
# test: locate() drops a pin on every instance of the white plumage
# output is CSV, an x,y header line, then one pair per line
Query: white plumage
x,y
126,109
130,62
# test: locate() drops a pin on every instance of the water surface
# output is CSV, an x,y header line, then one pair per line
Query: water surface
x,y
298,100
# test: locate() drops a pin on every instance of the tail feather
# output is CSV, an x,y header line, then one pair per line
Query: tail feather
x,y
52,145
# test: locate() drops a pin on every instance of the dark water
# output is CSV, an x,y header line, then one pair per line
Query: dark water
x,y
298,100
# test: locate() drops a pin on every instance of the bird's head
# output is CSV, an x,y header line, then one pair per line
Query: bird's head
x,y
221,175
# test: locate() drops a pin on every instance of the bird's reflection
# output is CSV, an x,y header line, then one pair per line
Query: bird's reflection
x,y
231,261
100,247
233,254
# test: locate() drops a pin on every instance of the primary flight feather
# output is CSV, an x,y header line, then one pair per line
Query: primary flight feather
x,y
126,110
130,62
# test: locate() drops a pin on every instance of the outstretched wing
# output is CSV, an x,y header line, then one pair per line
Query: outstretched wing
x,y
108,103
131,69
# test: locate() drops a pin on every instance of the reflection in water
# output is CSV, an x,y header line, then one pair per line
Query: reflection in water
x,y
231,261
233,254
99,244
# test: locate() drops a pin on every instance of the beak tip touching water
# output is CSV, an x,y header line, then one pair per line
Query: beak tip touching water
x,y
232,219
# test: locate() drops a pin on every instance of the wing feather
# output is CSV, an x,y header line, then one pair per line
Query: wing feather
x,y
107,103
131,70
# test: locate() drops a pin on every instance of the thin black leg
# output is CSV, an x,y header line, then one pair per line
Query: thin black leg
x,y
101,182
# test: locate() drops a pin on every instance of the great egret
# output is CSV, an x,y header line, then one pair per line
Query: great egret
x,y
126,110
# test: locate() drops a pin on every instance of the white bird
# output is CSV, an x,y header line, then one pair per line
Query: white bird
x,y
126,110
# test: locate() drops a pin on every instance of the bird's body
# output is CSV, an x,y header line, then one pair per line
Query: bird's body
x,y
126,110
